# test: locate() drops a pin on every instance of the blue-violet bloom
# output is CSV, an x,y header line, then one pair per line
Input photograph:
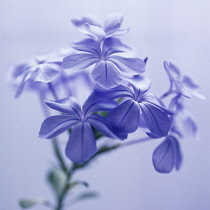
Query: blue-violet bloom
x,y
81,145
110,69
182,85
92,26
139,109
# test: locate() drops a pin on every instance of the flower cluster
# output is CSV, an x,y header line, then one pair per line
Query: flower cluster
x,y
120,101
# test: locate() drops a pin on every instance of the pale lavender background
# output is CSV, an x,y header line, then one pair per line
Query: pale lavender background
x,y
177,30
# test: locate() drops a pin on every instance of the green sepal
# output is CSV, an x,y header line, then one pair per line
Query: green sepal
x,y
27,203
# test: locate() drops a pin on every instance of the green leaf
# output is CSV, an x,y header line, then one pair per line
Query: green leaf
x,y
27,203
75,183
84,196
58,180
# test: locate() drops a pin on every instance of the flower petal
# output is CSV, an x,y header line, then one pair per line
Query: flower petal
x,y
81,145
79,61
94,103
55,125
88,45
156,120
113,45
66,105
106,75
113,93
163,157
178,153
102,125
125,117
132,66
47,72
113,23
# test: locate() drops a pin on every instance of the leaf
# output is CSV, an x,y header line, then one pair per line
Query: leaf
x,y
57,180
27,203
84,196
75,183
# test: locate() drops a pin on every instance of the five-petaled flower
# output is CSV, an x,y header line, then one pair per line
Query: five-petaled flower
x,y
140,109
92,26
110,69
81,145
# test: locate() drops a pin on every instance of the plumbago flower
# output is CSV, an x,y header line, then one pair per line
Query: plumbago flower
x,y
81,145
42,68
110,69
92,26
168,154
182,85
139,109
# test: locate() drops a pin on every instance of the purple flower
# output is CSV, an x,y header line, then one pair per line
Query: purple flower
x,y
110,69
81,145
43,68
92,26
167,155
139,109
182,85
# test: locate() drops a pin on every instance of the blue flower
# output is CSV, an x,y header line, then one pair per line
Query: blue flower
x,y
167,155
92,26
42,68
183,85
139,109
81,145
110,69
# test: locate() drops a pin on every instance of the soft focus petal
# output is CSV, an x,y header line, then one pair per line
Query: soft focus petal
x,y
164,156
79,61
55,125
66,105
132,66
156,120
79,21
101,124
125,117
98,32
120,32
81,145
172,71
106,75
113,93
112,23
94,103
189,82
178,153
47,72
88,45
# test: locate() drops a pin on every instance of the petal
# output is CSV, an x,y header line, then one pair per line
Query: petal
x,y
125,117
102,125
172,71
81,145
156,120
66,105
88,45
132,66
106,75
98,32
113,45
79,61
113,23
163,157
79,21
113,93
178,153
47,72
120,32
94,104
55,125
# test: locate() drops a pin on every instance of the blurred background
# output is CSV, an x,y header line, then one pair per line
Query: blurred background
x,y
126,180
